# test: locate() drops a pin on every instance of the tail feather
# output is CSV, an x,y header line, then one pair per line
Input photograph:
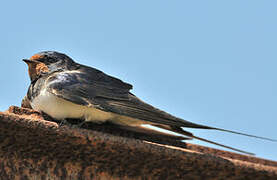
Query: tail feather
x,y
198,126
189,134
244,134
222,145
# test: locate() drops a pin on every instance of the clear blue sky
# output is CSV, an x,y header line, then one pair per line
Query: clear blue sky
x,y
210,62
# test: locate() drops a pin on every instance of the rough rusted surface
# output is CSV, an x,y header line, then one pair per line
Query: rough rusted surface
x,y
34,148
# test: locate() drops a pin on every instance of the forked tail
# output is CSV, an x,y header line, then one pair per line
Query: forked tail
x,y
222,145
249,135
198,126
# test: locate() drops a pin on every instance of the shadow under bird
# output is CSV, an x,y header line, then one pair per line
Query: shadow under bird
x,y
63,89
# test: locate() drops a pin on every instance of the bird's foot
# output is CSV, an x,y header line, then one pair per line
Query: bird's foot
x,y
64,122
47,117
74,123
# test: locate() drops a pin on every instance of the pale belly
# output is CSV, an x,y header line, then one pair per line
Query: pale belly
x,y
60,109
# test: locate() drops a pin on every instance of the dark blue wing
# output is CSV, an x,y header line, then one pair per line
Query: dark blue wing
x,y
112,95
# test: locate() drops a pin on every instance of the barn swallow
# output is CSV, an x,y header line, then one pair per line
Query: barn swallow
x,y
63,89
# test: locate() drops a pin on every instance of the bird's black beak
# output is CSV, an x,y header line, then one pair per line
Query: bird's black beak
x,y
28,61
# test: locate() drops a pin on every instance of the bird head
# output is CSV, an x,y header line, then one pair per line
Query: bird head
x,y
51,57
47,61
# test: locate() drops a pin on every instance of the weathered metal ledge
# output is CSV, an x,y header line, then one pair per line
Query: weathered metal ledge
x,y
34,148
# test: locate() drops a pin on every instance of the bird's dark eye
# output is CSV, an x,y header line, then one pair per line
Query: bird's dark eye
x,y
47,60
51,60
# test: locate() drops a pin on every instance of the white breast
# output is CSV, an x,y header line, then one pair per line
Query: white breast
x,y
60,109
